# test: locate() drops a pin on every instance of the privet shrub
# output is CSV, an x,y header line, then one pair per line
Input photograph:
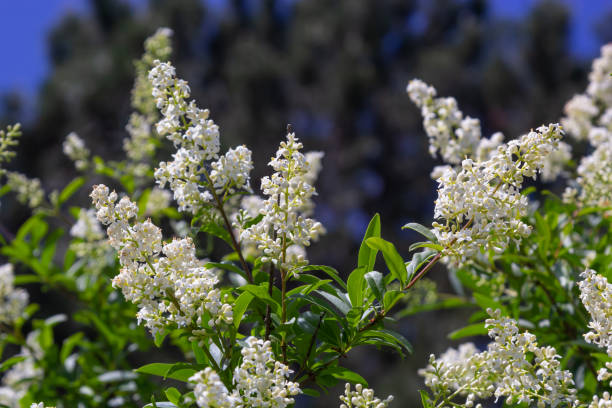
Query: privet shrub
x,y
260,325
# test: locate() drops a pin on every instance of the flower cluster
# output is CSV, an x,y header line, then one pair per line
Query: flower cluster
x,y
157,201
451,134
513,366
175,289
362,398
8,140
74,147
596,296
13,300
29,191
18,379
480,205
259,381
289,192
197,140
589,117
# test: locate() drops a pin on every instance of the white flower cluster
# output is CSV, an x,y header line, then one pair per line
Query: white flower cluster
x,y
157,201
596,296
589,117
289,192
197,139
259,381
87,226
451,134
513,366
29,191
8,140
139,145
17,380
12,300
91,244
175,289
457,138
74,147
232,171
362,398
480,205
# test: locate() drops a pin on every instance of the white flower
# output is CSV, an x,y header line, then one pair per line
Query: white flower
x,y
175,289
74,148
362,398
600,82
596,296
513,366
579,111
288,192
158,200
17,380
12,300
87,226
233,170
259,381
451,135
480,206
29,191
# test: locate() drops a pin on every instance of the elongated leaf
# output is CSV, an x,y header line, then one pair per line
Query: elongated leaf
x,y
367,255
70,189
355,286
340,302
329,271
240,306
421,229
476,329
261,293
393,259
375,282
69,344
173,395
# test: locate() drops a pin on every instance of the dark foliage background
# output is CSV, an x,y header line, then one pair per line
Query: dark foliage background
x,y
337,71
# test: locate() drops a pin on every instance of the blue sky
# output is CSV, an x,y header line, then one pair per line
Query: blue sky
x,y
24,25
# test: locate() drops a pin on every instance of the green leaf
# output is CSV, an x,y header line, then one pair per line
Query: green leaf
x,y
421,229
240,306
173,395
338,300
345,374
355,286
311,393
426,244
198,353
218,231
486,302
418,260
328,270
426,400
393,259
476,329
261,293
391,298
70,189
375,282
8,363
178,371
69,344
367,255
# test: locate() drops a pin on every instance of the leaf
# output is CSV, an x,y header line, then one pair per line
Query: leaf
x,y
261,293
339,302
218,231
486,302
198,353
8,363
160,404
69,344
417,261
354,285
342,373
240,306
367,256
178,371
375,282
391,298
311,393
426,244
393,259
328,270
70,189
421,229
173,395
476,329
425,399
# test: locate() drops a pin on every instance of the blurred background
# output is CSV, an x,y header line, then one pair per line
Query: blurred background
x,y
336,70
